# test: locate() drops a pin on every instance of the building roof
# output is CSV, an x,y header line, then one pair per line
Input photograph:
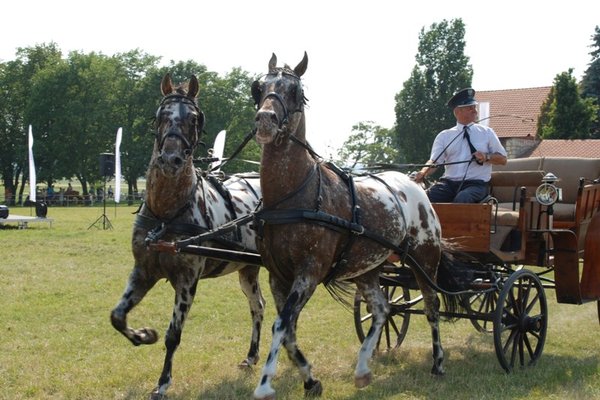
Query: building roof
x,y
589,148
514,113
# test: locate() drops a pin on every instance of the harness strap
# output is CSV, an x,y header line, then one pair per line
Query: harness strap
x,y
355,209
279,217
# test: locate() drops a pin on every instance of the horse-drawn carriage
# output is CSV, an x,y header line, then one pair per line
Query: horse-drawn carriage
x,y
515,254
319,224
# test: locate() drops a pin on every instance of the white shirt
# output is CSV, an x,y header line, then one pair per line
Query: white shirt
x,y
455,147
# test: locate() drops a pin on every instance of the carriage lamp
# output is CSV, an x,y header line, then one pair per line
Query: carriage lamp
x,y
547,193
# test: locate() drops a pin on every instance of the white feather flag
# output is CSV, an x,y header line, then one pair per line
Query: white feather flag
x,y
218,149
118,165
32,177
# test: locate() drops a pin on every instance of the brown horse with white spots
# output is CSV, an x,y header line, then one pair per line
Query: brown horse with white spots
x,y
319,225
182,202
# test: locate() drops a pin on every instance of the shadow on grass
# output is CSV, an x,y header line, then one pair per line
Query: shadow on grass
x,y
470,374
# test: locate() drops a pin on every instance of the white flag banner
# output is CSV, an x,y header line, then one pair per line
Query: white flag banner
x,y
32,177
118,165
218,149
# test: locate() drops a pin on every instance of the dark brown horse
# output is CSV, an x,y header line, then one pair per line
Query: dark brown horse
x,y
181,202
318,225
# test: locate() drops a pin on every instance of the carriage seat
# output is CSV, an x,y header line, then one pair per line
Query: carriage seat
x,y
505,189
528,172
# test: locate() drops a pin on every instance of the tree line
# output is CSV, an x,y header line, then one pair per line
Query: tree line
x,y
570,112
75,105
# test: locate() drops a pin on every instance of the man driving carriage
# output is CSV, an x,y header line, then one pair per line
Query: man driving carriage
x,y
468,150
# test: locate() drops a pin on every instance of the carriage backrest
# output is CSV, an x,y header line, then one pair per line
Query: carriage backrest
x,y
568,169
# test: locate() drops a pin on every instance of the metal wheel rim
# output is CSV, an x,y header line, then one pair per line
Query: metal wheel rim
x,y
520,321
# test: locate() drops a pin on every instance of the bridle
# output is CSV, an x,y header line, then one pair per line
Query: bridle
x,y
176,131
300,100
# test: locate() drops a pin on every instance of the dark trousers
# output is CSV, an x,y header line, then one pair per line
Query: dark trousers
x,y
467,191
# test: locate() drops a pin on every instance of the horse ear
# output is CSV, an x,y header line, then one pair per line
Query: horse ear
x,y
256,92
301,67
166,85
272,62
193,87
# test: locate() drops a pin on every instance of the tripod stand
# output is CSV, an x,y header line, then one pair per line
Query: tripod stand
x,y
105,221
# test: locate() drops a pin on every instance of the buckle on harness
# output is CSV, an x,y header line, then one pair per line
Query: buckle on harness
x,y
155,234
359,232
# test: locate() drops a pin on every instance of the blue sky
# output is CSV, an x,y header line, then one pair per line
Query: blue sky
x,y
360,52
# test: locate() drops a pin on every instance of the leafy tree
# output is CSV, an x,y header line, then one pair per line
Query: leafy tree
x,y
590,84
139,88
15,87
368,144
228,106
77,108
442,69
565,114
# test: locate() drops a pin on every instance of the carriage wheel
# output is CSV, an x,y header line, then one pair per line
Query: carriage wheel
x,y
395,328
482,303
520,320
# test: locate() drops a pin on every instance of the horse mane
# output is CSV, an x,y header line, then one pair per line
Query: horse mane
x,y
181,88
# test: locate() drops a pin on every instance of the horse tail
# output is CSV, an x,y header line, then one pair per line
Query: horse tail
x,y
342,292
456,272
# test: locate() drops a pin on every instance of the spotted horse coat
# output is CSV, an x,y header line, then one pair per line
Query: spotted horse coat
x,y
302,254
181,202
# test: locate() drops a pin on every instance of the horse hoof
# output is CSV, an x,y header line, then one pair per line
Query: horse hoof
x,y
267,397
363,381
147,336
248,363
156,395
313,389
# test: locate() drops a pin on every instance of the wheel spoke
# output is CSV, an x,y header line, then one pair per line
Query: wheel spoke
x,y
530,350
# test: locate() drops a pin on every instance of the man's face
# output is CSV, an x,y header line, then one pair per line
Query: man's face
x,y
467,114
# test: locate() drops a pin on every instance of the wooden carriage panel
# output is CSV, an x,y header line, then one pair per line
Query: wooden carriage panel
x,y
566,267
466,225
590,279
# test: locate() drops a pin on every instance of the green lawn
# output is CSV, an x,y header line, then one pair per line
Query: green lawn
x,y
58,286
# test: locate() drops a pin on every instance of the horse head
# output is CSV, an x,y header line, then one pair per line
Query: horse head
x,y
280,100
179,124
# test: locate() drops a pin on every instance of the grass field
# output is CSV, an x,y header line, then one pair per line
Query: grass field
x,y
58,285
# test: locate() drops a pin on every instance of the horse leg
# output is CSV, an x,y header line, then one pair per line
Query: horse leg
x,y
184,297
250,286
368,285
137,287
284,333
431,304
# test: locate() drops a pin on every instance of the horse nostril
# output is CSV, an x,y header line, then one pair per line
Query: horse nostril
x,y
267,116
